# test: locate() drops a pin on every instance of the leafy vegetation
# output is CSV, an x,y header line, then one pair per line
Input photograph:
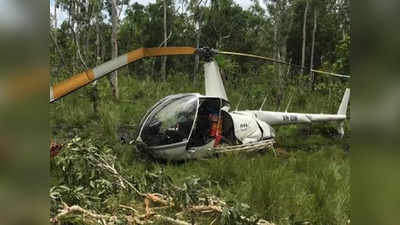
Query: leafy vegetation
x,y
310,184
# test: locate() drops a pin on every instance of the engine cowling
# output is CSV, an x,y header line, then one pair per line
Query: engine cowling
x,y
249,129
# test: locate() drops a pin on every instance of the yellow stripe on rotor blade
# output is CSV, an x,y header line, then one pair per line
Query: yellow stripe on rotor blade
x,y
73,83
135,55
169,51
148,52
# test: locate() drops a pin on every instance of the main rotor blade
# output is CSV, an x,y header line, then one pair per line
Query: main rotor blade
x,y
254,56
79,80
280,62
331,74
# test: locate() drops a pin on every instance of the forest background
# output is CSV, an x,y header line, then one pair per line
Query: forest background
x,y
310,184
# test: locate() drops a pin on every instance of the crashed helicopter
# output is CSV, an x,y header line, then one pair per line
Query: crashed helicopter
x,y
191,126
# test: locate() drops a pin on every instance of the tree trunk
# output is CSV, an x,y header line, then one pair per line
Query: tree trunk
x,y
280,39
87,32
164,59
313,47
58,50
55,16
98,60
276,39
197,57
98,48
54,35
276,53
303,52
114,48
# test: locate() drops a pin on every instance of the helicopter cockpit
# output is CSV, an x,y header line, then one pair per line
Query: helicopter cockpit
x,y
178,124
170,121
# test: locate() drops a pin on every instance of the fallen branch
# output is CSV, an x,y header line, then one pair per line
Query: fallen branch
x,y
76,210
204,209
206,204
171,220
110,167
71,210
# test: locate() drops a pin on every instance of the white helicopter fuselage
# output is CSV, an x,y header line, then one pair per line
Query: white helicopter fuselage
x,y
189,126
181,127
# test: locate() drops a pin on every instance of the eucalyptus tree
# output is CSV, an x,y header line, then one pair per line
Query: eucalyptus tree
x,y
197,10
303,50
282,18
165,42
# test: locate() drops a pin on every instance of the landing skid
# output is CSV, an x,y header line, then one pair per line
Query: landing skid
x,y
250,147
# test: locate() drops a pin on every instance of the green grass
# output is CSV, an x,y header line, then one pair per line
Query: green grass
x,y
312,184
305,187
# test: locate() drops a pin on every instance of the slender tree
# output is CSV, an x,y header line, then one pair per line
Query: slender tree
x,y
282,16
303,51
97,10
55,16
198,16
313,46
114,47
164,59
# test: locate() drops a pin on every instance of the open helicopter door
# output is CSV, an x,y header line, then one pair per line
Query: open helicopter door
x,y
213,125
183,126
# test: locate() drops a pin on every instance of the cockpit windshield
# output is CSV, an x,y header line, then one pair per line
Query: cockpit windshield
x,y
170,122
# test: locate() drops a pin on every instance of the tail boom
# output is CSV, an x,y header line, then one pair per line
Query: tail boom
x,y
284,118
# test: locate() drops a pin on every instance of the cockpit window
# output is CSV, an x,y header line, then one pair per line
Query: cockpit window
x,y
170,122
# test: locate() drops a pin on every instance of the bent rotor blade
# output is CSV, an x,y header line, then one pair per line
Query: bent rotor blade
x,y
77,81
280,62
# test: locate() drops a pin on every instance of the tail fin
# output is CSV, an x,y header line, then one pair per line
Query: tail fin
x,y
345,101
343,110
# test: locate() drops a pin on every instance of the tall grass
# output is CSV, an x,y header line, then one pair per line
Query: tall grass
x,y
311,185
306,187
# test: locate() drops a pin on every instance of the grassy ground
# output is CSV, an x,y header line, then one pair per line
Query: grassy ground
x,y
310,184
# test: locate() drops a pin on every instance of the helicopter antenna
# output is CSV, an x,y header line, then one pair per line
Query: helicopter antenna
x,y
265,98
290,101
237,106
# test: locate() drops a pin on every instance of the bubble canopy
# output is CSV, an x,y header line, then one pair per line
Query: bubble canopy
x,y
170,121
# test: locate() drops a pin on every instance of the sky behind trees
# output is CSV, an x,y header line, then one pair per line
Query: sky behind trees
x,y
62,15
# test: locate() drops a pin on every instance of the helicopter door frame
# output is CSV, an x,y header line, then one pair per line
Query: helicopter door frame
x,y
194,121
147,115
